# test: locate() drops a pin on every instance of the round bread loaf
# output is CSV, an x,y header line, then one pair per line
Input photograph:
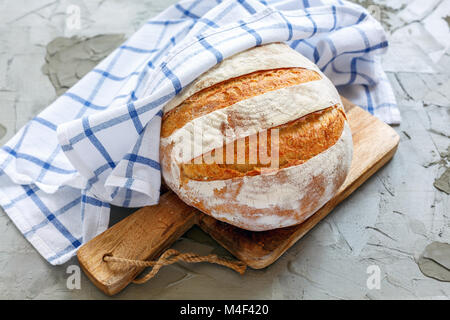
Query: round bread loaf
x,y
260,141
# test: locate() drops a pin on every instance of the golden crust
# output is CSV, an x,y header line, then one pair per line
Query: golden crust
x,y
231,91
299,141
227,207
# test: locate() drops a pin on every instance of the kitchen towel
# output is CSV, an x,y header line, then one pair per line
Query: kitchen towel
x,y
98,144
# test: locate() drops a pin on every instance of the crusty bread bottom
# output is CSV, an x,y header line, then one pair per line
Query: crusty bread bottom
x,y
278,199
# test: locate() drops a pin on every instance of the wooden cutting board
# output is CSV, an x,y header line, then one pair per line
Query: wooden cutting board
x,y
149,231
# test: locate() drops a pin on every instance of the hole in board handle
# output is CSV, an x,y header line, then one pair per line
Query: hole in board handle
x,y
106,255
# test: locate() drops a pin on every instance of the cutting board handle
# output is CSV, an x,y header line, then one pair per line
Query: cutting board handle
x,y
141,236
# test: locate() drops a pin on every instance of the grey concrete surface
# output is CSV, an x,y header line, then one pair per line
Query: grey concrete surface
x,y
387,222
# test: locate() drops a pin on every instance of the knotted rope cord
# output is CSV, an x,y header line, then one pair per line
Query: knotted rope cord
x,y
171,256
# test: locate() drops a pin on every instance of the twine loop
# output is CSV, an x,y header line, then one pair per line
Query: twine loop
x,y
171,256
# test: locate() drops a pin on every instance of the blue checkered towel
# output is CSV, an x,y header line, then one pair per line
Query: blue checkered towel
x,y
98,143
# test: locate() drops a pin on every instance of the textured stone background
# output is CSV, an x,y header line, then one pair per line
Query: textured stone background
x,y
387,222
